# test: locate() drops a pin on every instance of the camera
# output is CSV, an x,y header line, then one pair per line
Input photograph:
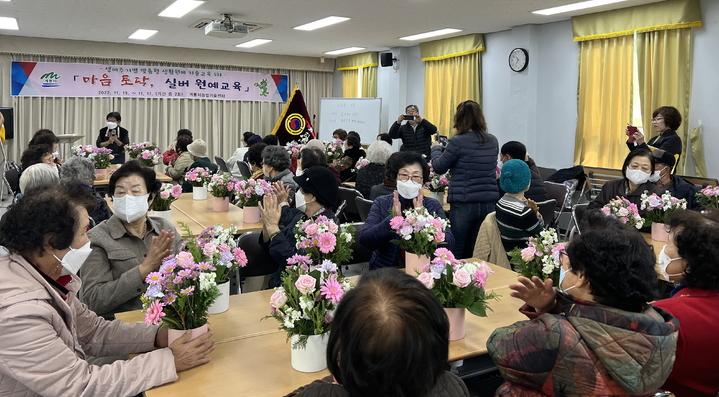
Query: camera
x,y
113,132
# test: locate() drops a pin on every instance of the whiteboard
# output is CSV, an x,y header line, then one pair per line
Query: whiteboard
x,y
351,114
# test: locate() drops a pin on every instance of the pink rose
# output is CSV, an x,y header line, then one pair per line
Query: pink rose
x,y
278,299
165,194
528,253
311,229
183,258
332,227
306,284
223,247
209,249
426,279
461,278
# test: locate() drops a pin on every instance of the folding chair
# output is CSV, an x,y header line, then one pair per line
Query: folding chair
x,y
244,169
222,164
259,261
350,213
547,209
363,207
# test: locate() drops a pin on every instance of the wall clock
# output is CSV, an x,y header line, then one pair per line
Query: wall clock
x,y
518,59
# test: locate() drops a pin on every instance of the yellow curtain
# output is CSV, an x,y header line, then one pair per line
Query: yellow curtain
x,y
700,166
369,82
605,92
359,75
664,62
449,82
350,88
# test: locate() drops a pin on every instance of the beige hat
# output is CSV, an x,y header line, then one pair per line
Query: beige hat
x,y
198,148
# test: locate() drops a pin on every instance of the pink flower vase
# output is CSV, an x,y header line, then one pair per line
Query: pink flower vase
x,y
101,173
174,334
221,204
659,232
456,323
413,264
250,214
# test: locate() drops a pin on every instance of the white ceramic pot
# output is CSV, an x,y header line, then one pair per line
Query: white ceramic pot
x,y
222,303
166,215
199,193
311,358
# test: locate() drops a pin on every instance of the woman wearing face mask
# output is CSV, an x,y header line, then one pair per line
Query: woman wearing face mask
x,y
596,335
47,137
666,121
128,246
637,168
114,137
376,235
47,333
276,167
691,260
471,157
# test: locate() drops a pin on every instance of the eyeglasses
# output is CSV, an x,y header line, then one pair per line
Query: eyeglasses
x,y
405,178
657,119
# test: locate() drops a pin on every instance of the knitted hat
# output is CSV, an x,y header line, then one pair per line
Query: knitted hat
x,y
198,148
515,176
321,183
664,157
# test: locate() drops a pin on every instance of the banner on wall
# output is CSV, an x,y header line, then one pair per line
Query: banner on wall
x,y
294,122
58,79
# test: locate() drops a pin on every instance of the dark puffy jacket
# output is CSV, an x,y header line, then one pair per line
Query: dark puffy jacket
x,y
682,189
418,141
448,385
473,167
376,235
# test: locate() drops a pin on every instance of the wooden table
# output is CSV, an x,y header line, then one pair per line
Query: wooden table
x,y
100,182
252,357
201,212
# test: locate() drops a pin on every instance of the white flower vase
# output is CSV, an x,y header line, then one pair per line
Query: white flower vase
x,y
311,358
222,303
439,196
199,193
166,215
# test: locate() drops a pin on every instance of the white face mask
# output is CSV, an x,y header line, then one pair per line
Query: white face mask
x,y
664,261
562,275
130,208
637,177
656,176
408,189
300,201
500,163
74,259
298,171
55,154
111,125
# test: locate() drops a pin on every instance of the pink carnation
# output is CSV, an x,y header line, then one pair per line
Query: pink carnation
x,y
154,313
528,253
209,249
311,229
332,227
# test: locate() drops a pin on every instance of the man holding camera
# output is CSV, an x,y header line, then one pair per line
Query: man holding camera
x,y
114,137
416,133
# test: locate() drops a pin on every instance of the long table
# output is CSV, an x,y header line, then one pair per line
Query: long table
x,y
252,357
200,211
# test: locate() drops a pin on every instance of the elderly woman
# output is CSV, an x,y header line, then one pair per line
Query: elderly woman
x,y
637,168
79,171
389,333
317,185
47,332
373,173
666,120
128,246
276,167
389,184
352,152
376,235
198,152
38,175
36,154
691,259
47,137
179,165
596,335
169,156
518,217
254,159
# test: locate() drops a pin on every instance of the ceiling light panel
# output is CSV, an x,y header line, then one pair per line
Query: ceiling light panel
x,y
344,50
142,34
253,43
8,23
322,23
179,8
575,6
433,33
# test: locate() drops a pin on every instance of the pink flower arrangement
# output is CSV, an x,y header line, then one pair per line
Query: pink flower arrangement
x,y
418,232
223,185
100,156
333,150
458,283
198,176
295,147
658,209
709,197
322,239
540,258
215,246
305,302
361,163
251,191
437,182
168,194
146,153
624,210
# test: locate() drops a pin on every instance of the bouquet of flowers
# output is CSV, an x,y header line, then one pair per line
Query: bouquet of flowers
x,y
658,209
709,197
180,293
540,258
333,150
437,182
458,283
83,150
305,302
198,176
295,147
100,156
251,191
361,163
322,239
624,210
168,194
146,153
419,232
222,185
215,245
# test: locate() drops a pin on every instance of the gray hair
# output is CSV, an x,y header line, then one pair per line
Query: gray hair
x,y
77,171
379,152
276,157
38,175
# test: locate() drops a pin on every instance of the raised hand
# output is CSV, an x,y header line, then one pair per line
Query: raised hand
x,y
535,292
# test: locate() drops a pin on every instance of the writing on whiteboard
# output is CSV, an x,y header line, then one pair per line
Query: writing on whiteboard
x,y
358,114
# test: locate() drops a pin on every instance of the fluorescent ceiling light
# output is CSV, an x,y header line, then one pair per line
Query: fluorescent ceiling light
x,y
8,23
142,34
322,23
344,50
253,43
179,8
576,6
435,33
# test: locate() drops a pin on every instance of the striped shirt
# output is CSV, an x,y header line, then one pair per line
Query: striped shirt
x,y
517,222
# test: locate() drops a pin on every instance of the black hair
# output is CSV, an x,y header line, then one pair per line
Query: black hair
x,y
47,216
406,158
596,220
355,133
341,134
34,154
182,142
470,118
134,168
641,152
271,140
696,236
385,137
672,116
184,131
43,137
115,115
391,169
619,266
312,156
254,153
515,150
353,141
411,106
246,135
390,336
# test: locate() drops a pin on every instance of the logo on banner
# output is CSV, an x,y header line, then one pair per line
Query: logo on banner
x,y
262,85
295,124
50,79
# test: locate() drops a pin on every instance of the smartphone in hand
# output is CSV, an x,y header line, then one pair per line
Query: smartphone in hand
x,y
408,117
632,130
